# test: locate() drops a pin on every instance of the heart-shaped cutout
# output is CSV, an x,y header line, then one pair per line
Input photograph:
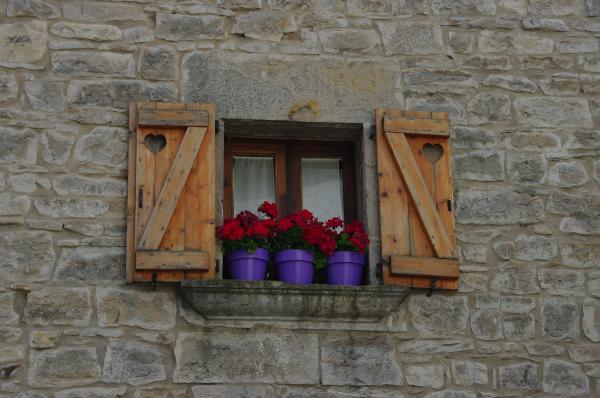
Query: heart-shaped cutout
x,y
433,152
155,143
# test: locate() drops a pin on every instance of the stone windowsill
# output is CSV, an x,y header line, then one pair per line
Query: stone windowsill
x,y
272,300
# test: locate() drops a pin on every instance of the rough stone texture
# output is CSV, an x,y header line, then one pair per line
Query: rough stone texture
x,y
88,63
532,247
95,32
59,306
147,310
132,363
269,26
84,186
32,8
106,146
410,38
562,282
117,93
57,207
175,27
56,146
8,87
19,145
515,278
359,362
91,265
22,43
567,174
564,378
560,318
482,165
8,315
158,63
45,96
425,376
26,256
439,316
102,12
591,319
468,373
521,376
552,112
273,358
63,367
526,167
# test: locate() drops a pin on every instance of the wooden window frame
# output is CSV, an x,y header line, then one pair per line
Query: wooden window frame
x,y
288,155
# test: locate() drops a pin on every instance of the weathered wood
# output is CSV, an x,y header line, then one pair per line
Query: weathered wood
x,y
171,260
173,117
425,266
131,161
420,195
435,127
172,189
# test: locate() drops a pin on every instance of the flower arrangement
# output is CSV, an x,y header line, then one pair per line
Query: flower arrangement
x,y
348,237
303,230
249,230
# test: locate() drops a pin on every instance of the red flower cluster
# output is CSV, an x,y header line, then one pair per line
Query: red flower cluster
x,y
248,230
352,237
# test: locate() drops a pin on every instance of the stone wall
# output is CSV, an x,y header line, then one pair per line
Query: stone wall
x,y
520,79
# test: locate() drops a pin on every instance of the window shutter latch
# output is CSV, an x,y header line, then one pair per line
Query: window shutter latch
x,y
433,286
154,281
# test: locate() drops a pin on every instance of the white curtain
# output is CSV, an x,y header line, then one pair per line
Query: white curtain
x,y
322,187
253,182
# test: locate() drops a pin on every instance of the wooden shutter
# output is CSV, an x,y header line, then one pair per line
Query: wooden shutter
x,y
171,196
415,195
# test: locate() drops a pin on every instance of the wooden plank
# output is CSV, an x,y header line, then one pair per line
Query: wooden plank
x,y
420,195
425,266
172,188
171,260
175,118
204,235
145,173
131,189
393,200
435,127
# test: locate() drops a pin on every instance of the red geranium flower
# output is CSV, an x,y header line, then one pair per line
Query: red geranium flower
x,y
270,209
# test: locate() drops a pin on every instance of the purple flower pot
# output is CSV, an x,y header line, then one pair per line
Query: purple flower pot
x,y
345,268
248,266
295,266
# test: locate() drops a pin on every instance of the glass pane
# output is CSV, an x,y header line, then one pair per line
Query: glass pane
x,y
322,187
253,182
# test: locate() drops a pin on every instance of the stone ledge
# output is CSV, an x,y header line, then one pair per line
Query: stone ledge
x,y
272,300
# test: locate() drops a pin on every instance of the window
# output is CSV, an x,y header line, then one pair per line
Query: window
x,y
316,175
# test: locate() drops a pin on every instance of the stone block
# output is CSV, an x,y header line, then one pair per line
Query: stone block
x,y
8,315
486,324
462,7
561,84
544,349
592,7
402,38
94,32
30,47
90,63
93,265
175,27
259,357
567,174
132,363
323,19
42,339
580,255
554,8
265,25
535,141
435,346
518,327
581,225
117,93
518,84
368,361
585,353
460,42
535,248
56,146
58,207
564,378
99,116
86,186
479,165
14,205
425,376
515,279
438,104
138,34
171,392
45,95
562,282
19,145
105,146
386,8
158,63
84,228
473,137
452,394
468,373
553,112
489,108
576,45
63,367
526,167
97,11
269,84
357,41
591,319
555,25
59,306
498,206
439,316
92,392
560,318
234,391
519,376
32,8
33,248
8,87
147,310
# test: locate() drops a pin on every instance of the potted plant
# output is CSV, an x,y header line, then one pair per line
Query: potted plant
x,y
345,265
246,241
301,244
